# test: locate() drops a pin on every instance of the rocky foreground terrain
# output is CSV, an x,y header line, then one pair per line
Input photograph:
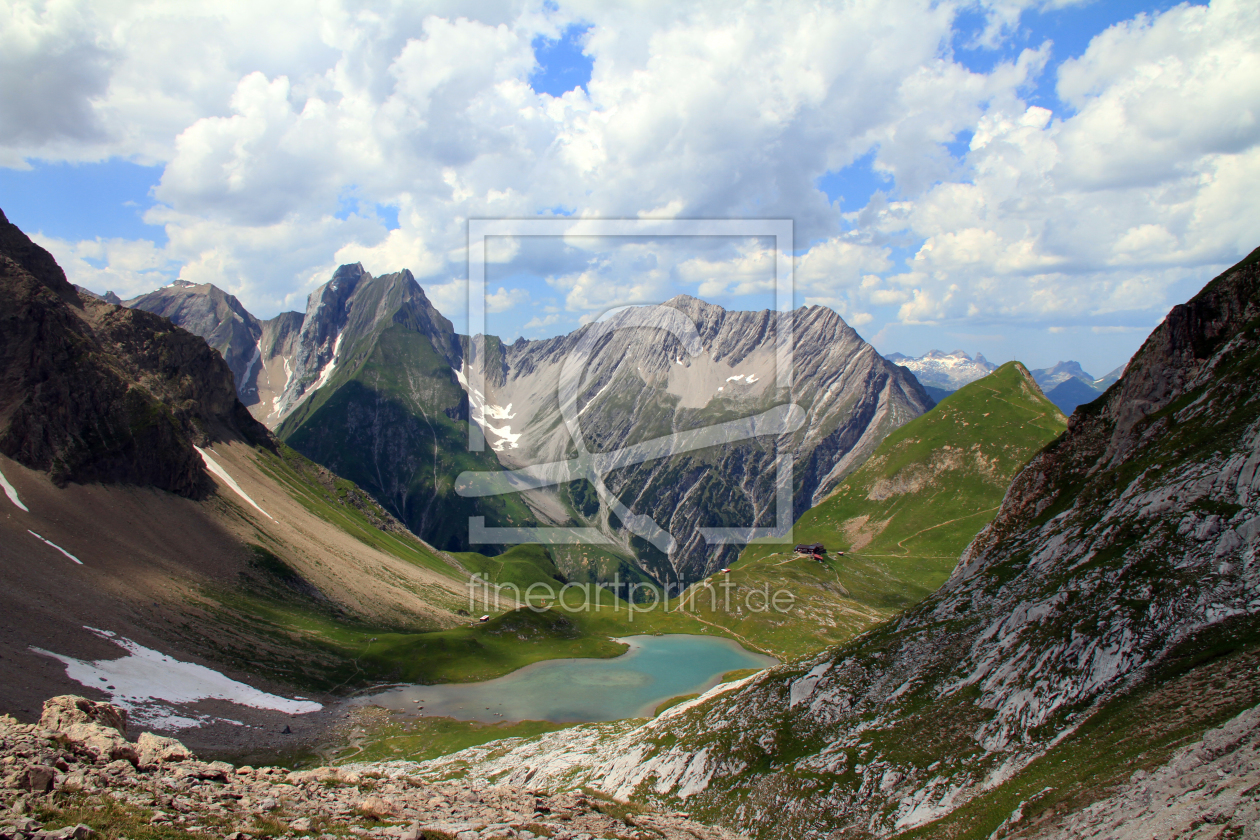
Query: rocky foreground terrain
x,y
75,776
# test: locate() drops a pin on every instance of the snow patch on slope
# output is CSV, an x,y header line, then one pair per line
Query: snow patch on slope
x,y
54,545
327,372
11,492
222,474
249,369
146,681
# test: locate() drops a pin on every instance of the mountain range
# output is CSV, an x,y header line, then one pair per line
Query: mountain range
x,y
944,373
1066,384
376,387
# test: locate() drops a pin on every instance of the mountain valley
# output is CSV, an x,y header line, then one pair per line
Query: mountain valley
x,y
148,515
1022,626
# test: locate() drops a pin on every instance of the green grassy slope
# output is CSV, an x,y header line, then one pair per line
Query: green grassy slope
x,y
520,565
902,519
277,623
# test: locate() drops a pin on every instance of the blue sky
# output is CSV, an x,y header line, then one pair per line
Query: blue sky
x,y
1063,233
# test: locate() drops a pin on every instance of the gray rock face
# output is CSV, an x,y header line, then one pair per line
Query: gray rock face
x,y
1131,540
1210,784
642,384
258,352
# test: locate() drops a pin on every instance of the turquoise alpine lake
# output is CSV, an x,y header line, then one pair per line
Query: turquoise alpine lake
x,y
654,669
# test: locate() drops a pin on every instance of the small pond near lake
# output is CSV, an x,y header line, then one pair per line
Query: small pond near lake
x,y
653,670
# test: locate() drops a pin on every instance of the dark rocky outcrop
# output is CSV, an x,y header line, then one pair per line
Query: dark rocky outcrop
x,y
93,392
258,352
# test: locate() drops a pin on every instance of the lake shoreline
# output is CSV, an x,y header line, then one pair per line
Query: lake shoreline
x,y
653,670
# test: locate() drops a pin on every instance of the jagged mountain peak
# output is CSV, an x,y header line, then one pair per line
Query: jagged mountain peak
x,y
345,316
93,392
1049,377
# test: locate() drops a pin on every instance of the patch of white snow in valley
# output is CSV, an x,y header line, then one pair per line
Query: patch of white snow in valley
x,y
221,474
736,378
145,681
479,411
54,545
11,492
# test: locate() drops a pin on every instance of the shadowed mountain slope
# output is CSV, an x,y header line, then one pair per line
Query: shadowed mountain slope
x,y
93,392
374,397
144,506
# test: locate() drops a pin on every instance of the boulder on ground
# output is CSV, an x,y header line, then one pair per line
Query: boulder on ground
x,y
322,775
97,729
377,807
37,778
156,749
69,709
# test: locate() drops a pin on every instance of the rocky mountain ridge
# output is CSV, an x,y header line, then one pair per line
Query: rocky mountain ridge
x,y
377,388
258,352
90,391
1122,561
946,371
641,383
